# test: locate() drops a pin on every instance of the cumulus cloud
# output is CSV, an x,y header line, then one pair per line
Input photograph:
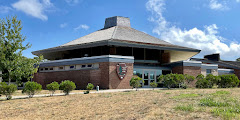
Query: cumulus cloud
x,y
208,39
35,8
63,25
216,5
83,26
5,9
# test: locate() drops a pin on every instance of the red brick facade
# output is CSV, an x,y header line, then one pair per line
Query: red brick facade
x,y
190,70
105,76
237,73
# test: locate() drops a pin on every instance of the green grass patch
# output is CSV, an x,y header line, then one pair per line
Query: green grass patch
x,y
210,102
182,96
220,93
227,113
189,108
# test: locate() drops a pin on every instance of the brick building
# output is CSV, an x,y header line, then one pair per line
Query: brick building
x,y
110,56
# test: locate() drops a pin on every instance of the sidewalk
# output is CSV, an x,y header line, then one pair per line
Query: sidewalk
x,y
100,91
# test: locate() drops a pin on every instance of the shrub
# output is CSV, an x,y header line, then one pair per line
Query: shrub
x,y
7,90
228,81
52,87
67,86
89,87
202,83
31,88
135,82
153,85
213,80
167,80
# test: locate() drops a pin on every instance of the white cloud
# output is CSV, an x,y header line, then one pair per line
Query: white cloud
x,y
72,2
83,26
5,9
208,40
215,5
34,8
63,25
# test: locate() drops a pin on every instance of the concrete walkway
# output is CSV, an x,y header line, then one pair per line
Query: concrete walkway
x,y
100,91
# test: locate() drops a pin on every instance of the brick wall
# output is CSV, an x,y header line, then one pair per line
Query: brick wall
x,y
237,73
192,70
178,70
115,82
106,77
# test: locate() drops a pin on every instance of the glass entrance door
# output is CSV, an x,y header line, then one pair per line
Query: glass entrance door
x,y
147,75
146,78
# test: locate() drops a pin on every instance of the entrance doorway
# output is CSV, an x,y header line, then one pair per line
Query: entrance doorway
x,y
147,75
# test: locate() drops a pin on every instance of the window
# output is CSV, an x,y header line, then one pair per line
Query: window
x,y
41,69
61,68
46,68
89,65
72,67
83,66
209,71
51,68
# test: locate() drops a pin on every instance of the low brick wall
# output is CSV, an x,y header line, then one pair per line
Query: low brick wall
x,y
105,76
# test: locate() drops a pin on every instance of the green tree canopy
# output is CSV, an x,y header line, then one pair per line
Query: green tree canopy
x,y
11,47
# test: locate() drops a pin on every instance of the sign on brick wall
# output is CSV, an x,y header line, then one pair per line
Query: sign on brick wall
x,y
121,70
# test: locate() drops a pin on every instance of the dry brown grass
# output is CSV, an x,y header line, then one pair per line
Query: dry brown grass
x,y
157,104
19,92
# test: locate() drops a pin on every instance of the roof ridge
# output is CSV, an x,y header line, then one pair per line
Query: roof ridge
x,y
114,32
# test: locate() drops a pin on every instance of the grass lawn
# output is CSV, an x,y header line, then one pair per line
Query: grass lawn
x,y
157,104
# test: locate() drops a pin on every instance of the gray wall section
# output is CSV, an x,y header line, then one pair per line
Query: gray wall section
x,y
88,60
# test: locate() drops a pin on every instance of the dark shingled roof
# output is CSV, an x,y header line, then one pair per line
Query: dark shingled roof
x,y
230,64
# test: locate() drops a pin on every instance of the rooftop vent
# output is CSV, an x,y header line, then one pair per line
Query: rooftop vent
x,y
117,21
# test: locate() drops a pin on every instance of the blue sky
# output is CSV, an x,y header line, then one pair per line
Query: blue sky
x,y
210,25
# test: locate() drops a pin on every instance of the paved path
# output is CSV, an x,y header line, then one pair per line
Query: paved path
x,y
100,91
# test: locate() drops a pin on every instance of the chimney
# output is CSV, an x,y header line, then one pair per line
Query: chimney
x,y
117,21
213,57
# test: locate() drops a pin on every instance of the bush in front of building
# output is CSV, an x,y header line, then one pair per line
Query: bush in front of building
x,y
135,82
213,80
89,87
31,88
67,86
52,87
153,85
202,82
167,80
228,81
175,80
7,90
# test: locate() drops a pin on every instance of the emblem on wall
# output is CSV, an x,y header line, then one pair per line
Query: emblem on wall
x,y
121,70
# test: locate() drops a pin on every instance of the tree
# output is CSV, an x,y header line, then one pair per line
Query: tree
x,y
67,86
238,59
31,88
153,85
135,82
53,87
7,90
11,47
